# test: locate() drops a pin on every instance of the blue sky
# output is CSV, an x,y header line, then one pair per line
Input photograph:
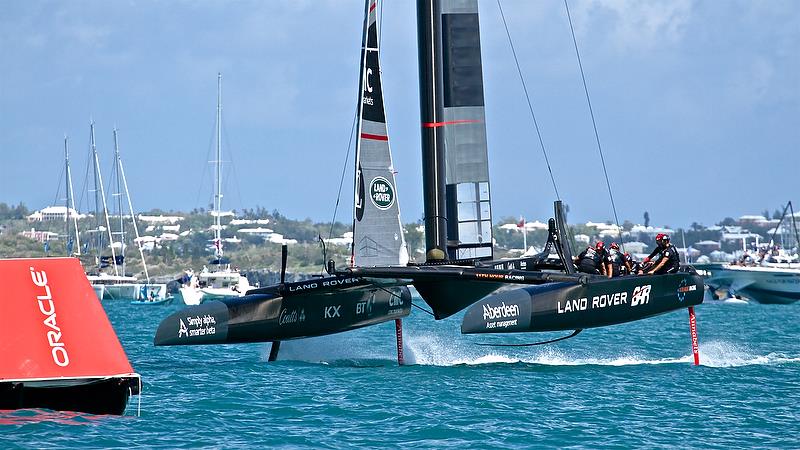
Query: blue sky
x,y
697,103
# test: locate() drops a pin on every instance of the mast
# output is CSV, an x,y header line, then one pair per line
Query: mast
x,y
218,174
98,200
130,206
118,194
431,113
70,203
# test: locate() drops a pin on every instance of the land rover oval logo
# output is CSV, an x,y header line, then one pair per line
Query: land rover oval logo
x,y
381,193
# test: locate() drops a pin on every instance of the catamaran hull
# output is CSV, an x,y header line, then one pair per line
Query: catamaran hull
x,y
296,310
571,306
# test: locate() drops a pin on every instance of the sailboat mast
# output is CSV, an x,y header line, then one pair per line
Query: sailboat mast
x,y
130,207
218,196
431,114
71,201
66,203
117,168
359,202
98,199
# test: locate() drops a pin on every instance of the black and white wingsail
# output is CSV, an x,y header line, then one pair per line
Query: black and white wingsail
x,y
377,229
336,303
469,231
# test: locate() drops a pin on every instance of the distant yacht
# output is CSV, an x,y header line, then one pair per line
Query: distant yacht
x,y
224,280
758,283
119,285
771,277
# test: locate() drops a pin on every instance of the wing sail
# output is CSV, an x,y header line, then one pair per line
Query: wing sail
x,y
377,230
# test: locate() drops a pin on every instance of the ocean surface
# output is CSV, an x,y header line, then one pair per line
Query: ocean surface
x,y
630,385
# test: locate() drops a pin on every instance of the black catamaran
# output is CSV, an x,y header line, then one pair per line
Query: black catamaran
x,y
338,302
459,269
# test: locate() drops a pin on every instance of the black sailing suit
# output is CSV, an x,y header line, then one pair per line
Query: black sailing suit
x,y
614,257
590,260
668,251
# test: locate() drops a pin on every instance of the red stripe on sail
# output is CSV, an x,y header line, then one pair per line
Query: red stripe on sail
x,y
441,124
374,137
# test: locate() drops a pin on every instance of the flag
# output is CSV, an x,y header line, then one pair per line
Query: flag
x,y
521,223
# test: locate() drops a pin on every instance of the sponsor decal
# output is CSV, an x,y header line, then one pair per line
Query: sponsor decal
x,y
340,281
303,287
364,307
505,315
500,312
48,309
332,312
500,276
641,295
598,301
323,283
395,305
197,326
381,193
683,288
291,316
359,195
367,100
578,304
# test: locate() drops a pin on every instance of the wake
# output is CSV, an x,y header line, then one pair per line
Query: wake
x,y
442,351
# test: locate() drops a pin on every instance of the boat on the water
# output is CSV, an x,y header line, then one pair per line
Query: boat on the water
x,y
154,301
761,284
771,276
107,274
459,269
223,280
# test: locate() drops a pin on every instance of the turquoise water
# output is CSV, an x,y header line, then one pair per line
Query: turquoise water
x,y
623,386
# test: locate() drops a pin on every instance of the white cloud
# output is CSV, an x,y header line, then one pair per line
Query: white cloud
x,y
634,24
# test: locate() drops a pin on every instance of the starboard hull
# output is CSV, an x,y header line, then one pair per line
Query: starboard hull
x,y
315,307
570,306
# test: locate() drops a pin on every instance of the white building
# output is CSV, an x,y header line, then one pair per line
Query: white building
x,y
160,219
53,213
40,236
345,240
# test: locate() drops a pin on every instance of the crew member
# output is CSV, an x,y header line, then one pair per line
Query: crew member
x,y
666,257
613,261
631,266
591,259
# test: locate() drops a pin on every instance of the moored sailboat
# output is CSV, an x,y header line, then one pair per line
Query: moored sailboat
x,y
117,285
223,280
